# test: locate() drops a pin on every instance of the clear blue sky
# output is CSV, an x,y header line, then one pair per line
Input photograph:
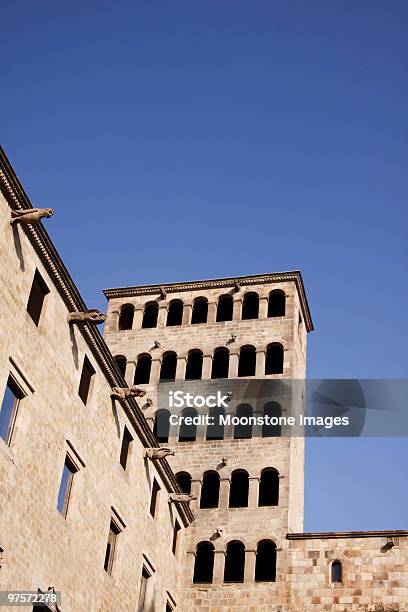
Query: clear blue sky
x,y
192,139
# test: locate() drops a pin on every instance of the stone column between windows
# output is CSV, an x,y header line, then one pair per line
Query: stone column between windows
x,y
233,365
253,492
207,366
181,368
162,316
112,321
195,490
189,567
212,312
187,310
223,500
250,560
263,308
137,317
237,309
260,363
219,563
155,370
130,372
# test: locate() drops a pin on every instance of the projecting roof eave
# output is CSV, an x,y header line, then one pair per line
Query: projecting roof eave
x,y
220,283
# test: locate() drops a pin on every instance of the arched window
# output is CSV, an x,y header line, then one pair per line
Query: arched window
x,y
276,303
200,310
194,365
269,488
121,362
184,481
215,428
265,565
126,316
168,366
204,563
247,361
210,490
220,363
142,372
188,431
224,308
243,429
336,571
238,497
273,429
175,313
234,567
274,359
250,306
161,427
151,310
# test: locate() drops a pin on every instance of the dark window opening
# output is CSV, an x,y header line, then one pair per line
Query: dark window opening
x,y
188,429
220,363
265,565
243,429
175,313
250,306
142,372
161,427
154,498
124,451
234,567
168,366
238,497
210,490
276,303
37,295
150,314
175,536
86,378
215,428
269,488
9,408
273,429
66,486
200,311
274,359
141,607
247,361
184,481
336,572
225,308
204,563
194,365
126,315
121,362
110,547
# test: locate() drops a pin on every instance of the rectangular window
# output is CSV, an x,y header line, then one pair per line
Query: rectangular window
x,y
168,607
175,536
114,531
86,377
153,500
8,410
66,486
124,451
37,295
143,590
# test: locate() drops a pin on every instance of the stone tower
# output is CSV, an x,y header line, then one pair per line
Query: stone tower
x,y
249,489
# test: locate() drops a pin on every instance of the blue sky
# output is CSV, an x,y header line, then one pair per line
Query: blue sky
x,y
183,140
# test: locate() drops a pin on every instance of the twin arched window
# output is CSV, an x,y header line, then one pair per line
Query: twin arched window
x,y
239,489
234,567
225,308
220,363
250,306
194,367
161,428
143,368
150,313
175,313
121,362
247,361
204,563
210,490
276,303
168,366
274,359
200,311
126,317
188,430
184,481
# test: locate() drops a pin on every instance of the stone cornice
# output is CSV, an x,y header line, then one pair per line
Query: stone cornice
x,y
339,535
220,283
46,251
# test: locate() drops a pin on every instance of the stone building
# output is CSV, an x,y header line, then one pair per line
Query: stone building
x,y
89,508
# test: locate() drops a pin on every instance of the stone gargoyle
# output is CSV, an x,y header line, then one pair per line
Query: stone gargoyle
x,y
182,497
122,393
93,317
158,453
30,215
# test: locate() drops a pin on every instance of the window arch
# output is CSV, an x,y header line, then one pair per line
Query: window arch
x,y
269,488
161,427
274,359
204,563
126,315
175,313
220,363
215,429
238,497
188,431
224,308
184,481
250,306
265,565
168,366
194,367
247,361
234,567
121,362
336,571
200,310
151,311
143,367
243,429
276,303
273,410
210,490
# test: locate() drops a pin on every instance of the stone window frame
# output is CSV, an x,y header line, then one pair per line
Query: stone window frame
x,y
25,389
